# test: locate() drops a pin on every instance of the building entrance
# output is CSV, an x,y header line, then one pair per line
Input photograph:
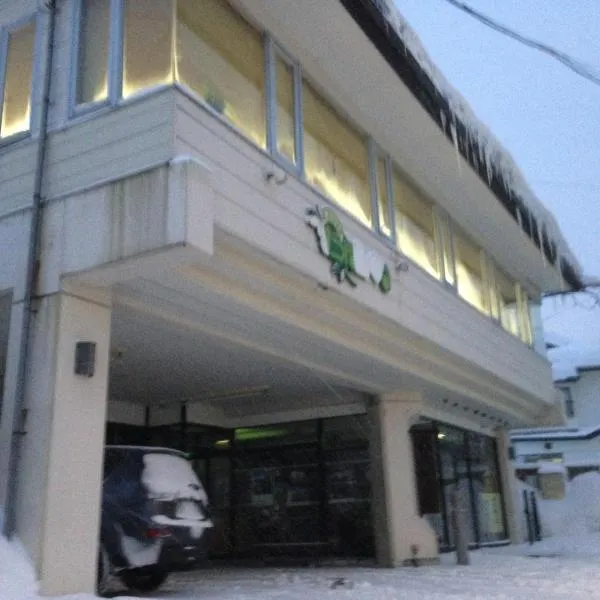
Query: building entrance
x,y
284,490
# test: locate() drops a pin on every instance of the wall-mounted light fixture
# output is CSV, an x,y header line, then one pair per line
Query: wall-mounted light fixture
x,y
85,358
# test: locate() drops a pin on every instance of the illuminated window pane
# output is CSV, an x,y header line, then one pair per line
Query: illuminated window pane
x,y
16,105
92,70
382,198
335,157
447,252
525,315
220,57
506,291
469,274
147,46
286,131
415,226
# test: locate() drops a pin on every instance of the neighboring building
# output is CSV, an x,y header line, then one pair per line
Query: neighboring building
x,y
576,445
260,232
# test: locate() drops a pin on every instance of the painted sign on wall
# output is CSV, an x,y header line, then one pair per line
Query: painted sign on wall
x,y
350,259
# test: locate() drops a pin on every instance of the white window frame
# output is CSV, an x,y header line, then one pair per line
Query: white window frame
x,y
375,154
37,47
115,59
273,50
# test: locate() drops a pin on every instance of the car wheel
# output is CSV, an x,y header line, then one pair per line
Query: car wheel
x,y
146,581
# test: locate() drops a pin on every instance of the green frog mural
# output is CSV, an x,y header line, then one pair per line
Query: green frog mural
x,y
350,259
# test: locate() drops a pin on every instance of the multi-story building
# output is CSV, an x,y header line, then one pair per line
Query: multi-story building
x,y
576,444
264,232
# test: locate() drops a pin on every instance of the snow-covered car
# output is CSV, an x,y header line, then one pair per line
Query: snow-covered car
x,y
155,517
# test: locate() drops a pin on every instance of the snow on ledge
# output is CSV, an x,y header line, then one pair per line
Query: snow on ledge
x,y
547,468
491,151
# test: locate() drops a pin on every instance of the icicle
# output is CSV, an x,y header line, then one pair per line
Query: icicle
x,y
456,148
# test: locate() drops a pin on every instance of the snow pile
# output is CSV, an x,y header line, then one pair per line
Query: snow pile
x,y
546,468
17,579
492,154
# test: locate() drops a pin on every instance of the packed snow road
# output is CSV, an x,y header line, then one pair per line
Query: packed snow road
x,y
492,574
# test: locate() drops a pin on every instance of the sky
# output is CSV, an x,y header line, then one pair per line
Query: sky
x,y
544,114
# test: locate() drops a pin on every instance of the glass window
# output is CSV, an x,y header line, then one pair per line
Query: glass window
x,y
470,274
220,57
147,45
383,202
487,491
335,157
92,67
18,76
569,402
447,252
506,293
286,125
526,328
415,225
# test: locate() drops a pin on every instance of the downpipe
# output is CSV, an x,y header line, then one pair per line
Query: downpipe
x,y
20,411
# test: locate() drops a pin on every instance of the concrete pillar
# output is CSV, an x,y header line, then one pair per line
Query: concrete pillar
x,y
509,486
401,534
61,456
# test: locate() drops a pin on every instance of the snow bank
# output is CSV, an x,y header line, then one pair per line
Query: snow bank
x,y
17,579
547,468
492,153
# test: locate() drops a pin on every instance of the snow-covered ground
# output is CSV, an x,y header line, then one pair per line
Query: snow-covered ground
x,y
566,568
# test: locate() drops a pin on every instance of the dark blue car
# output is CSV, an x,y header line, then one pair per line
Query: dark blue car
x,y
155,517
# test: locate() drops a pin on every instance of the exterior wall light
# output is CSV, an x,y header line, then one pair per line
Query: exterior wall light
x,y
85,358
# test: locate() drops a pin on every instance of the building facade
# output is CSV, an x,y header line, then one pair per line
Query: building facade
x,y
258,232
576,444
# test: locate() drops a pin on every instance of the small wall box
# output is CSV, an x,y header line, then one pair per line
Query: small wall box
x,y
85,358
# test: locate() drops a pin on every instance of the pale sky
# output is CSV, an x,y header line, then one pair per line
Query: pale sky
x,y
545,115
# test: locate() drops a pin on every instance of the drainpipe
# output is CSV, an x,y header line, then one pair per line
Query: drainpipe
x,y
31,272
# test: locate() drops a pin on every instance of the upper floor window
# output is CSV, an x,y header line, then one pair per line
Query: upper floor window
x,y
93,53
470,273
569,402
335,156
220,57
508,303
147,45
17,79
415,225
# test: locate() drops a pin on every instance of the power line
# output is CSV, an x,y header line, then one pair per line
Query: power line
x,y
570,62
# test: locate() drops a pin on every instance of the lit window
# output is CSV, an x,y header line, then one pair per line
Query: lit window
x,y
525,317
383,203
220,57
415,226
447,251
470,274
335,157
18,76
147,45
506,293
94,41
285,117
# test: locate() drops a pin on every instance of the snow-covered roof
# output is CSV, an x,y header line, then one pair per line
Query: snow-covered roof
x,y
565,433
568,360
492,154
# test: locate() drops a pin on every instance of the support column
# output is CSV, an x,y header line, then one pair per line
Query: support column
x,y
61,451
401,533
509,486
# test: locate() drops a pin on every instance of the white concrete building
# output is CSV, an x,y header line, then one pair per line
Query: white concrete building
x,y
258,225
576,444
